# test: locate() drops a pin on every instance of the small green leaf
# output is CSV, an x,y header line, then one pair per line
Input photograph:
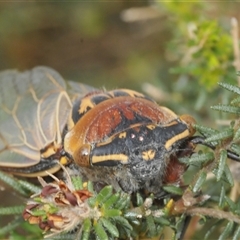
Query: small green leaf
x,y
123,222
87,225
90,187
184,160
180,224
230,203
237,135
222,197
206,131
29,186
221,164
123,201
200,181
100,231
77,182
162,221
139,199
159,231
131,215
237,211
112,229
111,212
64,236
135,222
226,108
92,201
235,148
226,232
39,213
220,136
38,199
228,175
201,158
11,210
13,182
173,189
202,220
230,87
151,226
235,101
236,234
210,231
111,200
104,194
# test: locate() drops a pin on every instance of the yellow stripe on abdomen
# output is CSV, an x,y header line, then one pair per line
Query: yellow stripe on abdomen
x,y
176,138
111,157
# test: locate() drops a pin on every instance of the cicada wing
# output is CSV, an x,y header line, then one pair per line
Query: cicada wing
x,y
15,160
79,90
34,108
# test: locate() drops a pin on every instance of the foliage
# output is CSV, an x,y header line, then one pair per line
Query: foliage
x,y
201,53
209,55
203,45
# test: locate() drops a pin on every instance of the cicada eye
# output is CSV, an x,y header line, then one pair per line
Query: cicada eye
x,y
82,155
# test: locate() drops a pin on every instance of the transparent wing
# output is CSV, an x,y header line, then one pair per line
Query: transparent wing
x,y
34,108
78,90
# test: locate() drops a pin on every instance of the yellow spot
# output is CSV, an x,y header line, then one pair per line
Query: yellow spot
x,y
122,135
48,151
148,155
151,126
176,138
114,157
63,161
169,207
85,103
175,122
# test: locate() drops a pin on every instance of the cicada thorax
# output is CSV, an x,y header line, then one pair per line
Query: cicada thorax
x,y
94,118
90,100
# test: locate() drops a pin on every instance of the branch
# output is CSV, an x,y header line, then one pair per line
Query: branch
x,y
214,213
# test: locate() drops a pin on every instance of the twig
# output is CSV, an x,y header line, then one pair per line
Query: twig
x,y
214,213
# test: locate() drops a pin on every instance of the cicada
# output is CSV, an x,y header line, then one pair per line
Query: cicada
x,y
119,137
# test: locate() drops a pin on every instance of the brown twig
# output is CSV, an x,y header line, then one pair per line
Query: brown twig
x,y
214,213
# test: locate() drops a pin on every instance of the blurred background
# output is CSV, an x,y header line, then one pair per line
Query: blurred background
x,y
175,51
162,48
